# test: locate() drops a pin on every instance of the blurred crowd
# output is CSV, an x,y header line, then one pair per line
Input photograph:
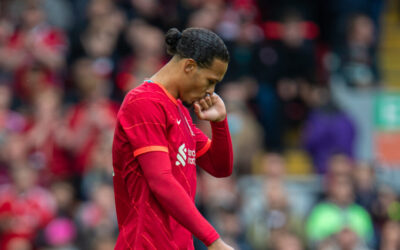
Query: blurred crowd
x,y
299,93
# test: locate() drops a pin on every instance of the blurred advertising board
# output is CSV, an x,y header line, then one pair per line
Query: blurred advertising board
x,y
387,128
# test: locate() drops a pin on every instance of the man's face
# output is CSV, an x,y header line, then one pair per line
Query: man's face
x,y
341,191
201,81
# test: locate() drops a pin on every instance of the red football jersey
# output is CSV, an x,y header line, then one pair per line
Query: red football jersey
x,y
150,119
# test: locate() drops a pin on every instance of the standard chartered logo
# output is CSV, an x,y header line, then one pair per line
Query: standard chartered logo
x,y
185,156
181,156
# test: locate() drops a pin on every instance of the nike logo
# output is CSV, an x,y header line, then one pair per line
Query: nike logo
x,y
178,121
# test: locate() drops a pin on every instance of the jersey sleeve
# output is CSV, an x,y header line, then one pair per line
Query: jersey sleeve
x,y
217,160
173,197
144,123
203,143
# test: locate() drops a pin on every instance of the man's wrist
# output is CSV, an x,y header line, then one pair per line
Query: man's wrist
x,y
211,238
221,119
215,242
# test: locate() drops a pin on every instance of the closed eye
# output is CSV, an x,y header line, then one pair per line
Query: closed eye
x,y
212,82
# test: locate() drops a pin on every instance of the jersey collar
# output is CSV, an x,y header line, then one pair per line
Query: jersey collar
x,y
165,91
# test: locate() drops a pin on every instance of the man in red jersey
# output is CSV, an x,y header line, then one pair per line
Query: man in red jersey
x,y
157,147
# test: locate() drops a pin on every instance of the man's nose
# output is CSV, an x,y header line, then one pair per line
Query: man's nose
x,y
210,91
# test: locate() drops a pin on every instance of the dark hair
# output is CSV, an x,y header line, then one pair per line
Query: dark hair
x,y
201,45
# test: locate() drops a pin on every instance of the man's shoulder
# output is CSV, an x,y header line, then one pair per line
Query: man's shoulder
x,y
145,94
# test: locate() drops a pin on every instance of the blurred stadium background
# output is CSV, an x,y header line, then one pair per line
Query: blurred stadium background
x,y
313,98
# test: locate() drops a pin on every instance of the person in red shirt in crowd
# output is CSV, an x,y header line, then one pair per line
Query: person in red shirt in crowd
x,y
25,208
11,123
44,136
35,52
156,146
147,55
93,118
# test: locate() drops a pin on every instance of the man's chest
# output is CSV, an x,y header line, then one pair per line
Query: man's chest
x,y
181,139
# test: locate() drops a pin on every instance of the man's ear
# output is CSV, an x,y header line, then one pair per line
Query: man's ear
x,y
189,65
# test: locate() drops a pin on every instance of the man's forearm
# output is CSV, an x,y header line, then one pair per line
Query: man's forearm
x,y
218,160
172,196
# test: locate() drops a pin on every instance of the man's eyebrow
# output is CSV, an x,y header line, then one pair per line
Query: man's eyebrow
x,y
215,79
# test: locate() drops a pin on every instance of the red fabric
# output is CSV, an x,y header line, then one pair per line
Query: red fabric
x,y
150,120
24,213
273,30
218,160
51,154
78,121
172,196
43,35
26,84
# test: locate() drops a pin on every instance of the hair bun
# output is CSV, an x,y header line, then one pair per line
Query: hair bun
x,y
171,39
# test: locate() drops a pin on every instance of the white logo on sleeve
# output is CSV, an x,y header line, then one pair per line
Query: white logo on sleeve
x,y
183,154
178,121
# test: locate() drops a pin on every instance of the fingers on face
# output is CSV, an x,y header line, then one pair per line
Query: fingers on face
x,y
209,101
214,98
197,110
197,107
204,104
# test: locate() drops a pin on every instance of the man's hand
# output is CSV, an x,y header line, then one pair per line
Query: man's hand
x,y
210,108
219,245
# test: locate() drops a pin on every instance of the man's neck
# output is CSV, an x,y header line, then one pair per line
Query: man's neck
x,y
166,77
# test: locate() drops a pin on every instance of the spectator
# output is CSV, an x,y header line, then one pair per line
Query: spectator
x,y
338,212
64,195
146,57
44,136
6,30
275,218
35,52
99,166
381,211
231,229
207,16
390,236
354,81
104,243
346,239
97,36
366,189
15,151
25,207
244,129
93,117
328,130
19,244
272,166
61,231
96,218
287,241
239,28
290,70
339,165
11,123
358,62
338,13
